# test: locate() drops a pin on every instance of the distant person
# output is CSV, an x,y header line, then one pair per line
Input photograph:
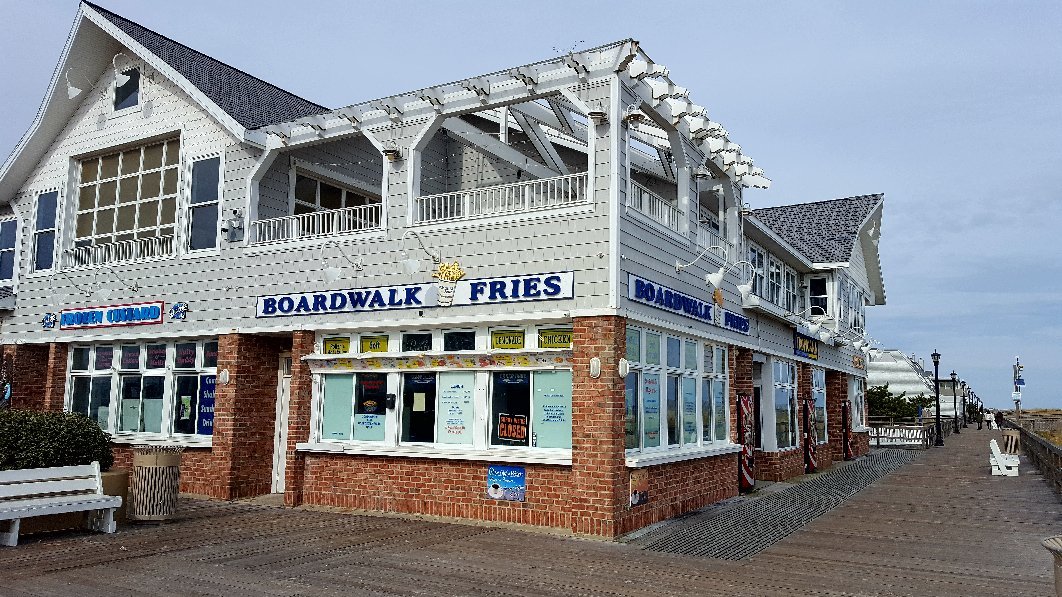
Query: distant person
x,y
999,419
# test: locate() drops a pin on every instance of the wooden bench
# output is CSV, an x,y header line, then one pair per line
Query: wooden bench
x,y
1002,464
42,491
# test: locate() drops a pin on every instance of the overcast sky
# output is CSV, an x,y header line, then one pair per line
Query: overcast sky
x,y
952,109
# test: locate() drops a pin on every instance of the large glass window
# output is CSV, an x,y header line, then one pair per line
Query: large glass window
x,y
127,204
785,404
157,388
676,398
44,231
856,393
204,202
818,393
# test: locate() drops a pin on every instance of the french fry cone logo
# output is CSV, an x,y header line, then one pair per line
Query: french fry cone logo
x,y
448,274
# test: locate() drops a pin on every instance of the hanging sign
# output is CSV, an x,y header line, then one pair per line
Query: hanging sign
x,y
859,362
112,316
662,297
805,346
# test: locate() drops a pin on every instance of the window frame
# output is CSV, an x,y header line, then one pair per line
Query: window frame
x,y
168,371
792,389
823,298
818,390
481,418
186,207
139,78
177,166
16,263
702,377
54,230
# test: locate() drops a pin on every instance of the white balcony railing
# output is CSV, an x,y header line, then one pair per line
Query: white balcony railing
x,y
654,206
116,252
708,237
317,224
520,197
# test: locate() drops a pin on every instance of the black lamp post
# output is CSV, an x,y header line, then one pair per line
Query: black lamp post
x,y
965,421
954,401
936,392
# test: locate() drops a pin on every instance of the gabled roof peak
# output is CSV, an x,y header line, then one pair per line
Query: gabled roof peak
x,y
250,101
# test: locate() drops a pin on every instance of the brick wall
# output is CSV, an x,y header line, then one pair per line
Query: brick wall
x,y
681,487
197,469
301,391
836,395
599,473
434,487
38,375
245,414
779,466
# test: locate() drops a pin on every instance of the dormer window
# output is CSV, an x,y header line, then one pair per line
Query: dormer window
x,y
818,296
127,95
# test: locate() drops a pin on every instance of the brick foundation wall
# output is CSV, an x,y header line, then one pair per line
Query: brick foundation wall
x,y
38,375
197,469
434,487
779,466
860,444
681,487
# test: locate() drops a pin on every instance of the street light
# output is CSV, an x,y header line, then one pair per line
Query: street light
x,y
965,422
954,401
936,391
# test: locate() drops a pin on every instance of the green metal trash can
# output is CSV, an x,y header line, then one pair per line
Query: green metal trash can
x,y
155,483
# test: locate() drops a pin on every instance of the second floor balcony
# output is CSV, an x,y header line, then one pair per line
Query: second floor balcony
x,y
87,255
506,199
317,224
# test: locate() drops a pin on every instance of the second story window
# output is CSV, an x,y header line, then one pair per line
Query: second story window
x,y
204,204
7,252
44,231
818,297
791,303
127,204
127,95
313,195
758,259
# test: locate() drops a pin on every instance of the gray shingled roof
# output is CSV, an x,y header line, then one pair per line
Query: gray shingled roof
x,y
249,100
824,231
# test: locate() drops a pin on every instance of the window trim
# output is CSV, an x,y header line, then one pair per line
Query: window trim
x,y
167,371
641,455
16,258
185,205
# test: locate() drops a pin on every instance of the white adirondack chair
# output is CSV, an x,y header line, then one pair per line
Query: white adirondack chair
x,y
1002,464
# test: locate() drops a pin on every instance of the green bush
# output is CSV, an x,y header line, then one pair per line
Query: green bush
x,y
33,439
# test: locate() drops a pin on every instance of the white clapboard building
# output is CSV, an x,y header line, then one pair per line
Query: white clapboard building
x,y
535,295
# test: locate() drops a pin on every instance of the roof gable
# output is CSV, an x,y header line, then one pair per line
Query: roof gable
x,y
250,101
824,231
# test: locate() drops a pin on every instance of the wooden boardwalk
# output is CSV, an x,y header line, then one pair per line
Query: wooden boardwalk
x,y
938,526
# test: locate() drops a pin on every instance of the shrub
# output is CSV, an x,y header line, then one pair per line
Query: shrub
x,y
32,439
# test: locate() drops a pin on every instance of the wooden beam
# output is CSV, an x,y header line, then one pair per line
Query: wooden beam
x,y
541,142
491,146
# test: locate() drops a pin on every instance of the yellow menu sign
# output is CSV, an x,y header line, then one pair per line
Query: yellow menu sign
x,y
554,338
338,346
374,343
507,339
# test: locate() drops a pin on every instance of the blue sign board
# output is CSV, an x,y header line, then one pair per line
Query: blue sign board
x,y
1019,382
205,422
735,322
112,316
507,483
662,297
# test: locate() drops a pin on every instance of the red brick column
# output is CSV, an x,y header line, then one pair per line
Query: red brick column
x,y
740,365
836,395
38,375
298,416
599,482
245,415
